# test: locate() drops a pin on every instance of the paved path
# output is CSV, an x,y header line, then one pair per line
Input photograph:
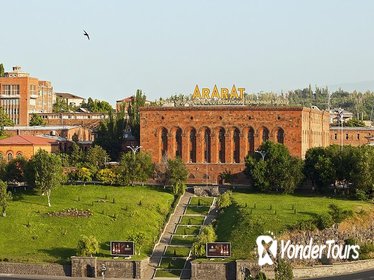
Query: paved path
x,y
166,236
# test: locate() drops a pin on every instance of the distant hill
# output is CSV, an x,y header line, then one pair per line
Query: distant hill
x,y
358,86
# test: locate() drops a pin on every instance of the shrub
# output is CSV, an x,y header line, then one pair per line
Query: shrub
x,y
283,270
305,225
224,200
338,214
324,221
87,246
207,235
366,251
361,195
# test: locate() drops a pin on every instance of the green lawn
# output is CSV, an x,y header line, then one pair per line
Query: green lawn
x,y
175,273
177,251
192,220
277,210
188,230
28,234
180,240
203,201
172,263
200,210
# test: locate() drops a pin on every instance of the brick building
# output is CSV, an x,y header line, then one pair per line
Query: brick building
x,y
89,119
354,136
26,146
21,95
215,139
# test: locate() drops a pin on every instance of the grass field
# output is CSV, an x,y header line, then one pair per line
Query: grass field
x,y
28,234
177,251
192,220
277,210
197,210
174,273
180,240
203,201
188,230
172,263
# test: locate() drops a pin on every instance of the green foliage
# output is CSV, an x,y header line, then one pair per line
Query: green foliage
x,y
366,251
140,239
269,174
338,214
5,196
110,134
354,123
45,172
15,170
1,70
4,121
62,105
176,175
76,154
224,200
135,168
206,235
107,176
97,156
97,106
83,174
179,189
87,246
36,120
324,221
137,102
283,270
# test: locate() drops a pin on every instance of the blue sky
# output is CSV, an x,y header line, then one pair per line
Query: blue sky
x,y
166,47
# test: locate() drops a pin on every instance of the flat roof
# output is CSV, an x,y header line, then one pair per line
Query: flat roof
x,y
55,127
351,128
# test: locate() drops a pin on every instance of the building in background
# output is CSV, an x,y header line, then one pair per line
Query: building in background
x,y
212,140
21,94
70,99
355,136
85,119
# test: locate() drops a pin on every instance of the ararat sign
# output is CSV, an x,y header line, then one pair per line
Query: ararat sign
x,y
223,93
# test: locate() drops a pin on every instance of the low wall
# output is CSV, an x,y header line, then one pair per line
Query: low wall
x,y
330,270
50,269
213,270
91,267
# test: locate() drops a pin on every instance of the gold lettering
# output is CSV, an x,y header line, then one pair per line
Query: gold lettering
x,y
224,93
215,93
205,92
241,91
196,92
234,93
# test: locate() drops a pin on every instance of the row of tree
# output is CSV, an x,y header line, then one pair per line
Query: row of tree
x,y
346,170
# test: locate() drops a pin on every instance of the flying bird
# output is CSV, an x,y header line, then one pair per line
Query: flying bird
x,y
86,34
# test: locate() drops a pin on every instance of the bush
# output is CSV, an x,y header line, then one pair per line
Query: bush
x,y
361,195
179,188
366,251
207,235
87,246
304,225
338,214
324,221
283,270
224,200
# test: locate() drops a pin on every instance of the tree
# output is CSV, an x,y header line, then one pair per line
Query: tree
x,y
136,167
45,172
83,174
270,174
4,121
107,176
176,174
5,196
354,123
133,111
87,246
15,170
76,154
225,200
36,120
97,106
140,239
110,134
97,156
206,235
283,270
1,70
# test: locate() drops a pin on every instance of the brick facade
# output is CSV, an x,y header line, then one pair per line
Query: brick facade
x,y
354,136
215,139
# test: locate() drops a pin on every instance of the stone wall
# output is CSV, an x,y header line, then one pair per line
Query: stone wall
x,y
213,270
91,267
35,269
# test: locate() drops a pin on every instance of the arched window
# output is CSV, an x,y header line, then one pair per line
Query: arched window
x,y
10,156
207,145
193,145
280,136
178,141
164,140
251,141
19,155
236,139
221,146
265,134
